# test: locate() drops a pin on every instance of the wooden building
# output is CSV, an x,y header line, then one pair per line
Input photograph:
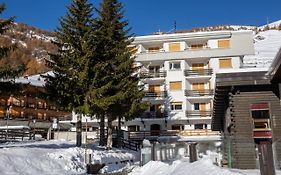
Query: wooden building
x,y
247,111
22,104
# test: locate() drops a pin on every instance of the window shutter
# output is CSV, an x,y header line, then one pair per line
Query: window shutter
x,y
225,63
176,85
174,47
223,43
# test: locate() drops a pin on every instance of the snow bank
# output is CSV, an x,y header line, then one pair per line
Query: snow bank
x,y
183,167
58,158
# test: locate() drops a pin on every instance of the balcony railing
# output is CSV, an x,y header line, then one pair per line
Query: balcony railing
x,y
160,74
151,114
161,94
196,114
200,72
196,93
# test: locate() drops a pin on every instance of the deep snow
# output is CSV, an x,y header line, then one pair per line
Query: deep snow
x,y
63,158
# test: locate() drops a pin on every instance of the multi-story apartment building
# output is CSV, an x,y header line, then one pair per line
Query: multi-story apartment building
x,y
178,72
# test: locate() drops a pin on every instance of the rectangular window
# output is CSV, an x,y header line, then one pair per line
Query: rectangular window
x,y
196,106
198,86
197,66
175,106
225,63
175,66
153,69
174,47
153,49
176,85
223,43
197,46
261,120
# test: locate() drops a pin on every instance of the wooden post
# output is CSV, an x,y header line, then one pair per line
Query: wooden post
x,y
79,131
192,152
266,158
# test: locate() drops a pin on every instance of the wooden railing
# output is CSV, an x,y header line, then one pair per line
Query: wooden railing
x,y
139,135
132,145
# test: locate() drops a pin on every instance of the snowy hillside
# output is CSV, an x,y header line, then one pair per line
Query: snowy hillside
x,y
266,46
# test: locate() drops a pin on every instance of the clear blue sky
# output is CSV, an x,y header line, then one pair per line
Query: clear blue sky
x,y
148,16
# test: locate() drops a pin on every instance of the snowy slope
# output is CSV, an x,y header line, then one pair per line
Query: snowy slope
x,y
266,46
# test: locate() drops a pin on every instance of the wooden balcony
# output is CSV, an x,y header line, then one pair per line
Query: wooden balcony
x,y
146,74
198,93
201,72
198,114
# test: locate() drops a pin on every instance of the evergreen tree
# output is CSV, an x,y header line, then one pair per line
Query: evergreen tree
x,y
70,64
7,71
114,90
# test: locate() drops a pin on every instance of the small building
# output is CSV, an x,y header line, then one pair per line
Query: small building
x,y
247,111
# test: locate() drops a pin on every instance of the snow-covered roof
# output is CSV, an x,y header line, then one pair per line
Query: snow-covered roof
x,y
34,80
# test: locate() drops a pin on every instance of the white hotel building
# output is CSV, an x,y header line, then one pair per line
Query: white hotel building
x,y
178,72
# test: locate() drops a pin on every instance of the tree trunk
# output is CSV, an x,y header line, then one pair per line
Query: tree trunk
x,y
109,133
102,132
79,131
119,134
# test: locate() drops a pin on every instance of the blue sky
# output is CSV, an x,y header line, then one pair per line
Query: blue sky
x,y
148,16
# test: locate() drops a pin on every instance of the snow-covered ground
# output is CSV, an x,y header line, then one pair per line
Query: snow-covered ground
x,y
63,158
58,158
183,167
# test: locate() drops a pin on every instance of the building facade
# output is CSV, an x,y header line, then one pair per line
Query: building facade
x,y
178,73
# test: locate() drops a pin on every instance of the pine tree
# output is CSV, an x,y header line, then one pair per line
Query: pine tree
x,y
114,90
7,71
70,64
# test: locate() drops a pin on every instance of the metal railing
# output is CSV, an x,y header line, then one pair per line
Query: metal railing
x,y
160,74
205,113
199,72
148,115
160,94
202,92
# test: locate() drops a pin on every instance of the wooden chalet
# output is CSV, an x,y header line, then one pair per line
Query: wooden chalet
x,y
22,104
247,111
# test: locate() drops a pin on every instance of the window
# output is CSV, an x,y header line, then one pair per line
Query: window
x,y
174,47
225,63
260,114
200,126
175,66
153,69
223,43
133,128
178,127
153,49
176,106
196,106
197,46
176,85
197,66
